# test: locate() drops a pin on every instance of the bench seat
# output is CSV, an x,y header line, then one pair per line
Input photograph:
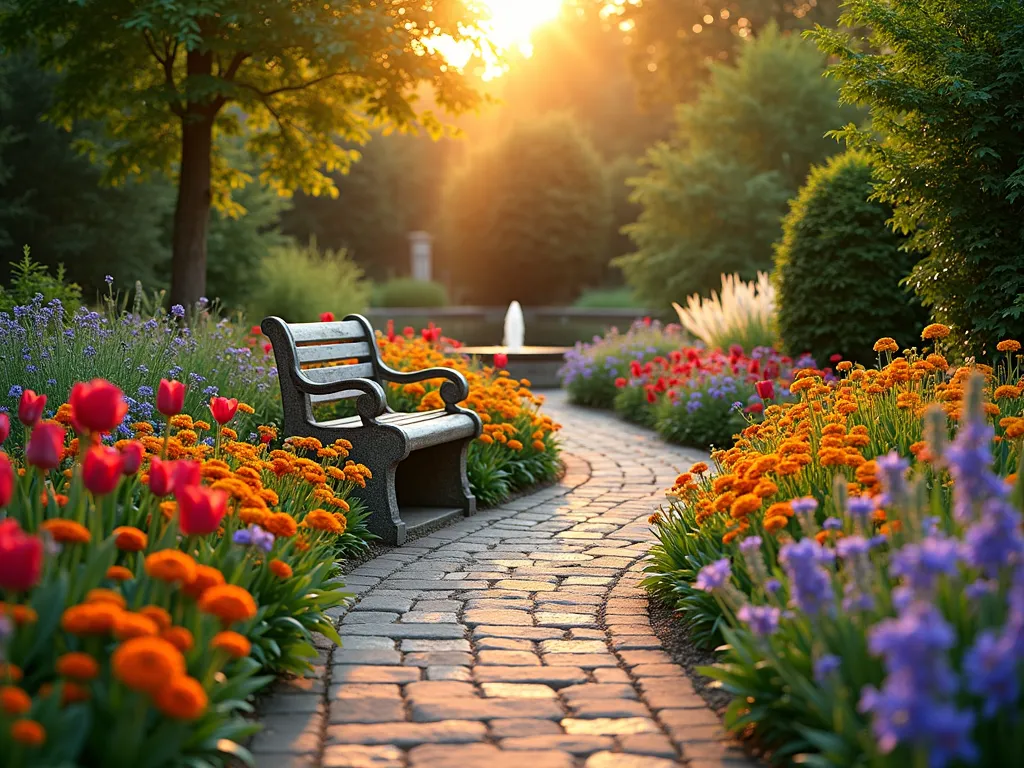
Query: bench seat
x,y
418,460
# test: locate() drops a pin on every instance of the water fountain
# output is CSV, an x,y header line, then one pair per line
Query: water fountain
x,y
538,364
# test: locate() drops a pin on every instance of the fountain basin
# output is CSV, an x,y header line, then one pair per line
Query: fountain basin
x,y
538,364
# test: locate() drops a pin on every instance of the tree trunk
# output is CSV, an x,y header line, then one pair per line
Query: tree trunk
x,y
192,212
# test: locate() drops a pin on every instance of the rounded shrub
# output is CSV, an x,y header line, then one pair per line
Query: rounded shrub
x,y
407,292
838,268
298,283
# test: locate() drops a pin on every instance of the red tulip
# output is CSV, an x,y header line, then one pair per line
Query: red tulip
x,y
391,331
620,383
754,408
7,480
97,406
651,396
500,360
267,348
131,457
170,397
45,446
835,358
765,389
30,408
408,331
200,510
223,409
256,331
326,317
161,477
5,427
186,474
21,557
101,469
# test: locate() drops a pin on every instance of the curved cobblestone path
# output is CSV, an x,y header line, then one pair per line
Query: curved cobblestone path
x,y
517,637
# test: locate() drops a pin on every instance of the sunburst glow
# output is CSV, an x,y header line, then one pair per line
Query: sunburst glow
x,y
508,26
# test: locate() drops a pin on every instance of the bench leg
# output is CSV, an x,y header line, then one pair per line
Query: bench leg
x,y
436,477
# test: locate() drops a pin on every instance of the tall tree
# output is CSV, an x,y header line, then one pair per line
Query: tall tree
x,y
167,78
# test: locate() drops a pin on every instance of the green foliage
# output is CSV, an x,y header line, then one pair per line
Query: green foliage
x,y
631,403
528,217
608,298
297,283
945,86
406,292
713,425
29,278
838,268
712,201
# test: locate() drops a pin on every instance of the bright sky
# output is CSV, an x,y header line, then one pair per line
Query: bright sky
x,y
509,27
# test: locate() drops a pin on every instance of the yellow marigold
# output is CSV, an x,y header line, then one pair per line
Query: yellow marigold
x,y
105,596
171,566
228,602
1006,392
67,531
236,645
187,437
254,516
206,576
844,365
744,505
141,428
14,701
77,666
246,408
157,615
935,331
281,524
886,344
168,509
201,426
654,519
1008,345
228,433
129,539
183,698
179,637
147,663
281,569
28,733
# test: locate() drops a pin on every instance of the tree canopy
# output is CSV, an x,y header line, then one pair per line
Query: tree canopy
x,y
292,76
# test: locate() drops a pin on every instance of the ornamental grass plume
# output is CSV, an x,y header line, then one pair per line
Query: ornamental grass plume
x,y
742,314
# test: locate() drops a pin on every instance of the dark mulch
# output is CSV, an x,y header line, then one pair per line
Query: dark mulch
x,y
674,638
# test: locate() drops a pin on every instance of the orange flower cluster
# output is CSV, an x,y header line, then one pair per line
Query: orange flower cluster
x,y
840,427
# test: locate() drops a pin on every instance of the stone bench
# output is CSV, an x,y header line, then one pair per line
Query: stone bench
x,y
418,459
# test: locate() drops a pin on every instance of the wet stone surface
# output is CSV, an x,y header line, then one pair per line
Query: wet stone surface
x,y
516,637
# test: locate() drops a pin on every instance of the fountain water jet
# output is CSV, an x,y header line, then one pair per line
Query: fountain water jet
x,y
515,328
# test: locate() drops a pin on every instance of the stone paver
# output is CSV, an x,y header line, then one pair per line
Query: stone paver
x,y
515,637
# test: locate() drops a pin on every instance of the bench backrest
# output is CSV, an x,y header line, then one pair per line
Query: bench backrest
x,y
325,352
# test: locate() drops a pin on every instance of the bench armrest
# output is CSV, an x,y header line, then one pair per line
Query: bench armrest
x,y
369,405
453,391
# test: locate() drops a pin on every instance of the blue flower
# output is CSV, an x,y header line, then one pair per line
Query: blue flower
x,y
762,620
824,666
832,524
109,279
810,584
990,669
89,351
178,311
145,391
714,576
15,391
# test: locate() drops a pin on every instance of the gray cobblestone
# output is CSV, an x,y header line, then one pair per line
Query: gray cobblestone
x,y
517,637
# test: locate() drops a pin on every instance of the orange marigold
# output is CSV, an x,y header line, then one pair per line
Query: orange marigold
x,y
206,576
130,625
322,520
182,699
129,539
236,645
515,445
78,666
281,524
179,637
281,569
119,573
886,344
157,615
699,468
28,733
1006,392
935,331
228,602
171,566
67,531
1008,345
775,524
90,618
147,663
10,672
72,693
105,596
14,701
744,505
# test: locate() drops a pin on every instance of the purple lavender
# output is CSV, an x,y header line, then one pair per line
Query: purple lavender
x,y
762,620
810,585
714,576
